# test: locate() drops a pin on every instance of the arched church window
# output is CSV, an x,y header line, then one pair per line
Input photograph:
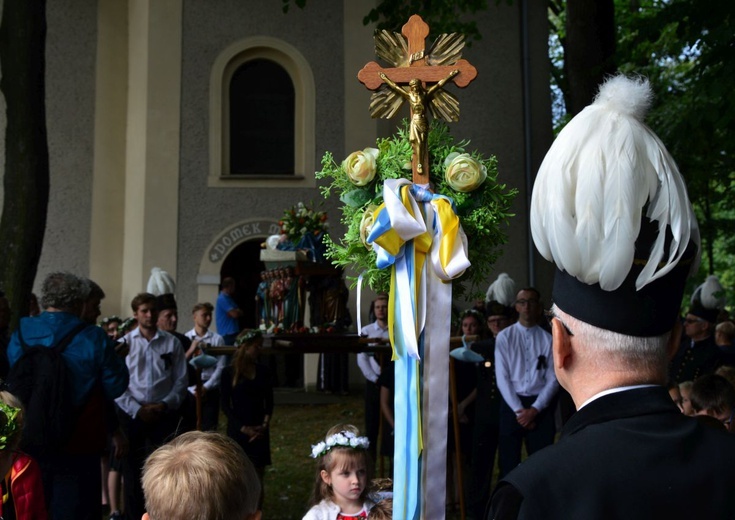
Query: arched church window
x,y
261,119
262,116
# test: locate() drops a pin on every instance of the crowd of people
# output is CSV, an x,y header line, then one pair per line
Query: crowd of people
x,y
641,399
131,387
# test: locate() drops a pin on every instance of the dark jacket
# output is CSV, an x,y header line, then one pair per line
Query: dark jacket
x,y
627,455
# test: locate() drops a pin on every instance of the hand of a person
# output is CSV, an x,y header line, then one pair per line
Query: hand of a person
x,y
122,348
526,416
146,413
252,432
151,412
192,349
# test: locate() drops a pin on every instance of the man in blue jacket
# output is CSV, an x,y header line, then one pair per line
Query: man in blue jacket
x,y
72,482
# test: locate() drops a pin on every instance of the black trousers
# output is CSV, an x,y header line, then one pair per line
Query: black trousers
x,y
372,416
484,445
512,434
333,373
72,484
143,438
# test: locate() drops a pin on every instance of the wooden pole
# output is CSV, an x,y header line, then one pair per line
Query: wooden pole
x,y
457,444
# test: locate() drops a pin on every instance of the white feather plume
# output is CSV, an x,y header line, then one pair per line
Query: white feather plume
x,y
160,282
502,290
593,184
711,294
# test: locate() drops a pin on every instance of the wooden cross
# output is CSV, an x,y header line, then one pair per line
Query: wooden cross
x,y
461,73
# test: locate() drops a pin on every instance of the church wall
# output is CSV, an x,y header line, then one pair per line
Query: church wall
x,y
495,118
492,116
208,28
70,77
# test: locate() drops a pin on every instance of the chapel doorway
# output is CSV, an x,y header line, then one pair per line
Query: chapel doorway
x,y
244,265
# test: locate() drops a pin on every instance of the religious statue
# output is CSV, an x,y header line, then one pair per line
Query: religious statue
x,y
419,99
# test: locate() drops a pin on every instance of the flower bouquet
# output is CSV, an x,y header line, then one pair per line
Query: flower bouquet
x,y
466,177
304,228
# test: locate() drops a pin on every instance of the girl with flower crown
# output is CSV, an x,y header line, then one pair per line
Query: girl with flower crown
x,y
22,488
246,390
342,474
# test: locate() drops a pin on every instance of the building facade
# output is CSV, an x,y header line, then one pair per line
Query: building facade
x,y
140,97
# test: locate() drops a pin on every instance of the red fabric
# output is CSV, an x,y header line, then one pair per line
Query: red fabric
x,y
361,514
26,489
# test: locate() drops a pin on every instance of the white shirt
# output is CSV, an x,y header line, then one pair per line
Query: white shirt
x,y
212,375
366,360
517,351
157,372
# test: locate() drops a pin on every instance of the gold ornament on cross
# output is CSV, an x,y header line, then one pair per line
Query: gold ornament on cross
x,y
413,66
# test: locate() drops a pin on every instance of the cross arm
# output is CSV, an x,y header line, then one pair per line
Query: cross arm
x,y
370,74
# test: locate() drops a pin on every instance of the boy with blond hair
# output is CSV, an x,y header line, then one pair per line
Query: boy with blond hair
x,y
203,475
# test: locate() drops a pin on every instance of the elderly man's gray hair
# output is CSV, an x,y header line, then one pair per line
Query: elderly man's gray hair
x,y
63,291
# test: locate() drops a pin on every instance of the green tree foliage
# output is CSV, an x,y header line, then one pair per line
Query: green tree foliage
x,y
686,48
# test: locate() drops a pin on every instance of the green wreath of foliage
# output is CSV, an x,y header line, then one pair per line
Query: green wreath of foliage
x,y
483,213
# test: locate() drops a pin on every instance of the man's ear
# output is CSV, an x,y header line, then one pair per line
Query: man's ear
x,y
674,340
561,346
146,517
254,516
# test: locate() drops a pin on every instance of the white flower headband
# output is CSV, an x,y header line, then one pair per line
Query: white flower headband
x,y
339,440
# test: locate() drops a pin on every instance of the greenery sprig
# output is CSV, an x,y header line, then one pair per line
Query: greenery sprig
x,y
9,426
483,211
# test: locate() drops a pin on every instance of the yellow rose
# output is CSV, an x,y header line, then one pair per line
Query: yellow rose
x,y
463,173
366,224
360,166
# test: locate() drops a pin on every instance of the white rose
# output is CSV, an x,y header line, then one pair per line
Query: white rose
x,y
360,167
366,224
317,450
464,173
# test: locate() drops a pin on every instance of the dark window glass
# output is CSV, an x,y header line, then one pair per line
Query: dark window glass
x,y
261,119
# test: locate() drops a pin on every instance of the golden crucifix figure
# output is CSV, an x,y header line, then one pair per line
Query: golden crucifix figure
x,y
425,73
418,97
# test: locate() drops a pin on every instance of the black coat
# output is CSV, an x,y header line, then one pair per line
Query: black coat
x,y
627,455
691,362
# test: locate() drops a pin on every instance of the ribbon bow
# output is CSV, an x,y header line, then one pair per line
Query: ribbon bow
x,y
434,230
418,235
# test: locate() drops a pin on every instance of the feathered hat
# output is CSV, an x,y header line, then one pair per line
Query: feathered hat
x,y
708,299
611,210
162,286
500,296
